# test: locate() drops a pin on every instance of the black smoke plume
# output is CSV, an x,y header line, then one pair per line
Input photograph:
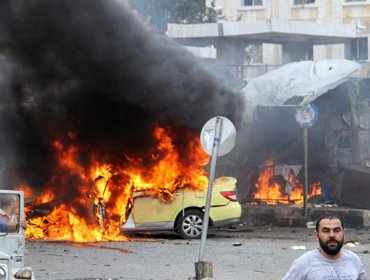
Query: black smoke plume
x,y
89,72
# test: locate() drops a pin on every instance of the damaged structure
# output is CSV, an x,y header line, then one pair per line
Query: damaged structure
x,y
292,53
84,110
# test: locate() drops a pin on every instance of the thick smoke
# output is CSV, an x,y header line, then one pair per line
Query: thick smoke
x,y
89,72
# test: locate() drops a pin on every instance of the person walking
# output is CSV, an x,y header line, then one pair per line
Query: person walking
x,y
329,261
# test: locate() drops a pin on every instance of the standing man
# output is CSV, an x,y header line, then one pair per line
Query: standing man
x,y
329,261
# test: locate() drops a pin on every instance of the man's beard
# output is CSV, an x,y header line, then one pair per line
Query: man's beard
x,y
331,251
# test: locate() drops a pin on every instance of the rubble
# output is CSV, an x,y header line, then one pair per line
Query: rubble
x,y
286,216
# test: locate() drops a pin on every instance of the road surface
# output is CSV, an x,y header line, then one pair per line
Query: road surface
x,y
255,253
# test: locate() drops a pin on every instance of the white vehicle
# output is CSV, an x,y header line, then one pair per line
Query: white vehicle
x,y
12,239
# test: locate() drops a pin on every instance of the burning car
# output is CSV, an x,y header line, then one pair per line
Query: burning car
x,y
12,239
184,214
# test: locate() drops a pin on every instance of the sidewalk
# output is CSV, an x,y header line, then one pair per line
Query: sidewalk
x,y
293,215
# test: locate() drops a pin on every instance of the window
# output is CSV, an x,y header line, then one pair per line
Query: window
x,y
252,2
301,2
9,213
253,54
358,49
344,141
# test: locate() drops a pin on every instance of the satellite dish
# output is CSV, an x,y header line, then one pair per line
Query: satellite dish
x,y
226,139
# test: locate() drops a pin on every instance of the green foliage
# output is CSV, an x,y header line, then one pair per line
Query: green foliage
x,y
157,13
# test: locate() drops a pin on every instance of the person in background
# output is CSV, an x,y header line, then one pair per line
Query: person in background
x,y
329,261
8,215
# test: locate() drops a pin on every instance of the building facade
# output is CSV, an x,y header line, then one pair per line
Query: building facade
x,y
255,36
252,37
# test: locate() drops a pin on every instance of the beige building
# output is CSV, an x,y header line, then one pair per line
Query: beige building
x,y
255,36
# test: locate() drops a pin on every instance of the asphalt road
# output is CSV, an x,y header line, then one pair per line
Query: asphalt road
x,y
245,253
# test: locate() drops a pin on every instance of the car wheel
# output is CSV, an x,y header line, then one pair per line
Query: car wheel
x,y
190,225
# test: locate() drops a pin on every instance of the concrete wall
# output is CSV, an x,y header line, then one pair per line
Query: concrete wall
x,y
332,11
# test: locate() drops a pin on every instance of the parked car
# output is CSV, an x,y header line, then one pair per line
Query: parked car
x,y
12,239
184,214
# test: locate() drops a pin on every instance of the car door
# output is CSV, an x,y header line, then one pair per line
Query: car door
x,y
154,211
13,243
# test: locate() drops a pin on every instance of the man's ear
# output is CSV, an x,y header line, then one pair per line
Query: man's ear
x,y
316,235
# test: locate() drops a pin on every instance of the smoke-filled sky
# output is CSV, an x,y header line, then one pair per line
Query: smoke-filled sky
x,y
90,72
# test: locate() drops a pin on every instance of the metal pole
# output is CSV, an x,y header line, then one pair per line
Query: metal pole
x,y
305,147
216,143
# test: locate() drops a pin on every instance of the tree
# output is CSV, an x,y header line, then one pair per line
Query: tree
x,y
158,13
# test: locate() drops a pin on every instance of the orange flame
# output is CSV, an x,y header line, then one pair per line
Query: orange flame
x,y
105,193
272,192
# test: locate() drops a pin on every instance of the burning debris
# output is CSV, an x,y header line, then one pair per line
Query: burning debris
x,y
101,107
278,184
106,192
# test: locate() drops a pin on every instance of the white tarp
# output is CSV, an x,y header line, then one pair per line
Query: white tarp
x,y
297,83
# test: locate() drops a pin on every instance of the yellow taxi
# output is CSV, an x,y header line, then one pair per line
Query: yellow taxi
x,y
184,214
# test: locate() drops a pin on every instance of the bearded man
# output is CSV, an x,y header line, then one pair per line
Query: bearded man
x,y
329,261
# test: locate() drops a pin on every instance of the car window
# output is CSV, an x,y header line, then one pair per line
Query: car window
x,y
9,212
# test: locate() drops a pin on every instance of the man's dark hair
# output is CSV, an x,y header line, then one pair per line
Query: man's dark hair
x,y
330,217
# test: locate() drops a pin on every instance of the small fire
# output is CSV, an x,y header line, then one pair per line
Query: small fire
x,y
272,192
105,191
